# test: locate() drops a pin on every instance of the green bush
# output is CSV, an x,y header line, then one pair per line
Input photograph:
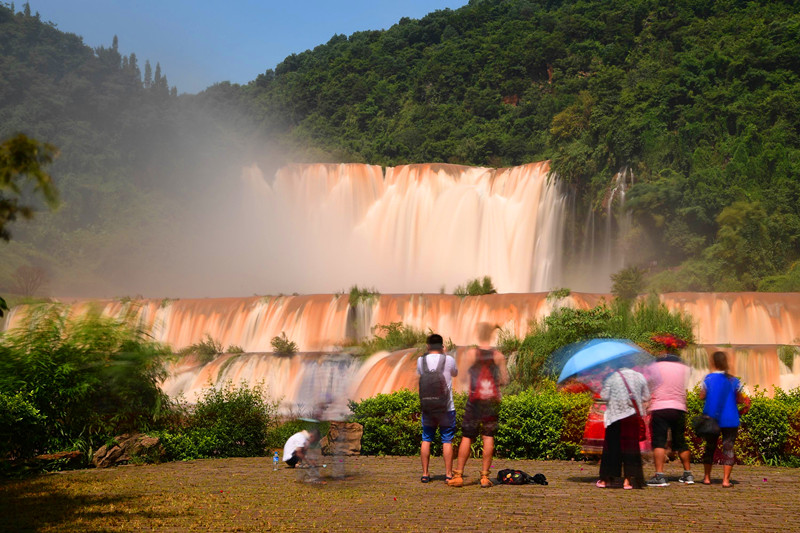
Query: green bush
x,y
189,444
227,421
547,424
392,337
533,361
281,345
206,350
391,423
543,424
362,295
22,426
90,378
476,287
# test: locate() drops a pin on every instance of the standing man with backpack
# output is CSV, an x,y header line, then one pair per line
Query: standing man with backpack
x,y
487,373
436,371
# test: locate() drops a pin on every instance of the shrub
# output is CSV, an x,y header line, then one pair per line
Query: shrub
x,y
206,350
507,342
22,426
544,424
557,294
89,378
228,421
391,337
476,287
787,353
391,423
282,345
362,295
565,325
531,425
628,283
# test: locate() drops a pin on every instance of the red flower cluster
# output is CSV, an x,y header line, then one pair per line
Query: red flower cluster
x,y
669,341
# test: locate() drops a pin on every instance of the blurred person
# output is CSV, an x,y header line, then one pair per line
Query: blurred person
x,y
487,372
295,451
668,409
436,370
625,392
722,393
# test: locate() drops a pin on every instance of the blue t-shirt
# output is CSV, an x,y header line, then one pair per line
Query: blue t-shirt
x,y
721,392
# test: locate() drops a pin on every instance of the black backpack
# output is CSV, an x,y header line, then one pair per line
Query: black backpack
x,y
509,476
433,395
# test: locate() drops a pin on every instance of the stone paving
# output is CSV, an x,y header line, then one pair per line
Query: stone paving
x,y
385,494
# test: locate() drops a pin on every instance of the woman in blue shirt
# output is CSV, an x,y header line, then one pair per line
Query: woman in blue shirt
x,y
722,393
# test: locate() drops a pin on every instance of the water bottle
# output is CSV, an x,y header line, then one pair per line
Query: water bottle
x,y
275,461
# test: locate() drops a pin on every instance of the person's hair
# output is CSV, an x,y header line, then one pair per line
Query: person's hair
x,y
720,360
435,341
315,434
485,331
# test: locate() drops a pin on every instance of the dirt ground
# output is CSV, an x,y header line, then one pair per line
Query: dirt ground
x,y
385,494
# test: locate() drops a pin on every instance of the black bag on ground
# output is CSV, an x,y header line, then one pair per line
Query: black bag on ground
x,y
704,426
433,397
509,476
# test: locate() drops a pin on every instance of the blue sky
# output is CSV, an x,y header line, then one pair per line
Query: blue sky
x,y
200,42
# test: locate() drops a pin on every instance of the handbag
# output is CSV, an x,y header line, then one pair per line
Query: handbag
x,y
642,425
705,427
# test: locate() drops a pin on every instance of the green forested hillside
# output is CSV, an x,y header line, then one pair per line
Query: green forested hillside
x,y
699,100
133,158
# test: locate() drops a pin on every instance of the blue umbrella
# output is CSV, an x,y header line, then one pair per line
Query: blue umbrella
x,y
587,355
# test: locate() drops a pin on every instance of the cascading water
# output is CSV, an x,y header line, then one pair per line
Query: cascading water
x,y
421,228
600,250
750,327
418,228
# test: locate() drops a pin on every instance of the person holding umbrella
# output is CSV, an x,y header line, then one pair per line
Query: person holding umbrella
x,y
625,392
608,364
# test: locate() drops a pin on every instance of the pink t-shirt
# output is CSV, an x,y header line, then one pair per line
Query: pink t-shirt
x,y
670,378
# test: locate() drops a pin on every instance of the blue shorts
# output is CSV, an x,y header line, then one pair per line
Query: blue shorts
x,y
446,423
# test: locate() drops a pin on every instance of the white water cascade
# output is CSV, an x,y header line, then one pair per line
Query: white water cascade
x,y
419,228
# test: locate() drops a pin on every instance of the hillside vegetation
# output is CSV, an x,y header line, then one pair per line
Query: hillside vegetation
x,y
699,101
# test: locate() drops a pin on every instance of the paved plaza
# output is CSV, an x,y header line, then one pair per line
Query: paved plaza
x,y
385,494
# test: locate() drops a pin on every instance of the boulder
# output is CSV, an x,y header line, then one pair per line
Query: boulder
x,y
126,447
343,438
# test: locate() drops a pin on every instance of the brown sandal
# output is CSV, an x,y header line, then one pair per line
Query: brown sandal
x,y
456,480
485,481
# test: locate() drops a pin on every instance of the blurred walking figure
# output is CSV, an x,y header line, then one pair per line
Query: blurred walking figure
x,y
722,392
625,392
487,373
668,409
436,371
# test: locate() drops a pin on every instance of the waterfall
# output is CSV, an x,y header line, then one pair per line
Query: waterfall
x,y
418,228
